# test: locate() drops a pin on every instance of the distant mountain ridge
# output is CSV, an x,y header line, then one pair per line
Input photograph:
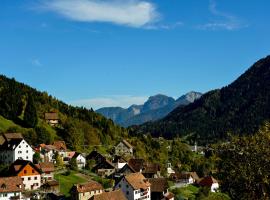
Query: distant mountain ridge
x,y
156,107
237,109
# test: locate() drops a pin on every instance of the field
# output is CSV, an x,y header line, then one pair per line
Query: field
x,y
67,181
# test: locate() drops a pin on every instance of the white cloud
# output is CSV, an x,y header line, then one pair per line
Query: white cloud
x,y
134,13
36,62
110,101
225,20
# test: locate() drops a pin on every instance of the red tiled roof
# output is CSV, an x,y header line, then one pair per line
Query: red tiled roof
x,y
46,166
136,164
60,145
114,195
158,184
137,181
11,184
208,181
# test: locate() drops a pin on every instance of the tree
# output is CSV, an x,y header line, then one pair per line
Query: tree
x,y
36,158
73,164
59,160
43,135
244,166
30,113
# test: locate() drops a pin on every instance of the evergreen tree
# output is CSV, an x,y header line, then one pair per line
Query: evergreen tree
x,y
30,113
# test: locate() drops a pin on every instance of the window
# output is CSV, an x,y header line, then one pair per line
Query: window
x,y
26,157
127,186
119,185
35,178
27,151
29,178
26,146
33,171
127,192
20,146
25,171
22,179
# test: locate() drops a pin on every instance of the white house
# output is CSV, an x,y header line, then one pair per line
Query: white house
x,y
80,159
15,147
28,172
135,186
210,182
124,148
11,188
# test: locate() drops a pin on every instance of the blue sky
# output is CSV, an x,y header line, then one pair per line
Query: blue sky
x,y
117,53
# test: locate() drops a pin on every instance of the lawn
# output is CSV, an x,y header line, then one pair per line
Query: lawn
x,y
67,181
5,124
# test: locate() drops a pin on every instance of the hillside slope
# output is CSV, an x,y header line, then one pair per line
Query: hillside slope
x,y
78,126
156,107
239,108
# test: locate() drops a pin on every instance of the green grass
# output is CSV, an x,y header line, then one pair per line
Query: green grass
x,y
66,182
5,124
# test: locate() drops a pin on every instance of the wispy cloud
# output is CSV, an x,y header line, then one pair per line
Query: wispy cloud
x,y
224,21
168,26
133,13
110,101
36,62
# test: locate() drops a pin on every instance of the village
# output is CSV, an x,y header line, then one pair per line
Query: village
x,y
58,173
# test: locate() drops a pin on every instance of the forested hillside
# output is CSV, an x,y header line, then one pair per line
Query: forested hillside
x,y
239,108
22,109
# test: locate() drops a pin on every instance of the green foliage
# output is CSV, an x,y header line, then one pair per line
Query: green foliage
x,y
59,160
73,164
244,166
36,158
106,183
240,108
30,113
43,135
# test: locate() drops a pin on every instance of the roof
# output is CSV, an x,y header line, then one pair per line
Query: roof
x,y
104,164
52,183
71,154
185,175
46,166
126,167
137,181
168,195
50,147
208,181
119,159
151,168
114,195
11,144
158,184
76,154
19,165
127,144
9,136
60,145
87,187
51,116
11,184
136,164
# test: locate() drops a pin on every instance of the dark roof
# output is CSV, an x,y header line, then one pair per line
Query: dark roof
x,y
18,165
51,116
76,154
207,181
151,168
11,184
136,164
105,164
118,159
95,155
113,195
9,136
184,175
126,167
11,144
158,184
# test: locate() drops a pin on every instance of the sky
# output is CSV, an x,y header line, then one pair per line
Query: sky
x,y
98,53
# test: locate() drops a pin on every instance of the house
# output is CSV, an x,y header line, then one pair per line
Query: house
x,y
50,187
47,152
135,186
28,172
127,169
136,164
95,156
86,190
159,187
119,162
169,169
151,170
51,118
47,171
185,178
14,147
80,159
124,148
104,168
210,182
168,196
11,188
113,195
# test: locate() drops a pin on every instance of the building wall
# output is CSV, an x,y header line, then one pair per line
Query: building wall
x,y
31,182
81,161
88,195
24,151
7,196
214,187
121,149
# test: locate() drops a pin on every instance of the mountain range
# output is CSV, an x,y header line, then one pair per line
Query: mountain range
x,y
156,107
237,109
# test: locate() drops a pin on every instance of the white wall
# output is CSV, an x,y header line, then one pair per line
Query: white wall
x,y
32,181
24,151
7,196
214,187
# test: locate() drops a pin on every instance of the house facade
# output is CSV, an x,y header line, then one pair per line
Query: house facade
x,y
28,172
86,191
135,186
124,148
210,182
11,188
51,118
47,171
105,168
14,148
80,160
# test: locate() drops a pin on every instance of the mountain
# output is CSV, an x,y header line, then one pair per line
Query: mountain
x,y
237,109
79,127
156,107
